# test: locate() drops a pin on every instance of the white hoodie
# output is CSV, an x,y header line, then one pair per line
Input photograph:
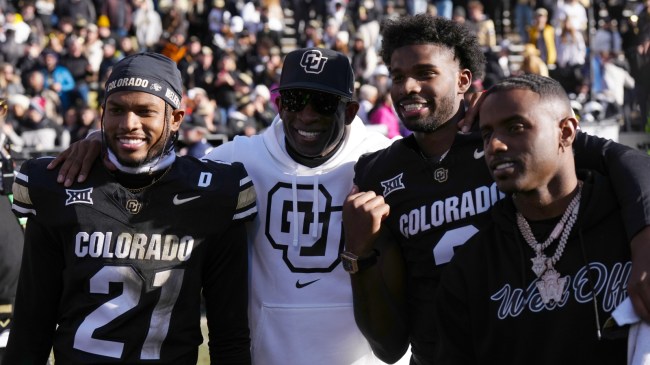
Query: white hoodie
x,y
301,300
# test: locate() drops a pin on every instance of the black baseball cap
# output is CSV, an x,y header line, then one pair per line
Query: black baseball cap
x,y
318,69
147,72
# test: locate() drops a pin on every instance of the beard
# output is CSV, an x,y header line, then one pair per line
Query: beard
x,y
440,114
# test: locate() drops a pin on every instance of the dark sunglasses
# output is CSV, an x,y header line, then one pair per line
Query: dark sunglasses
x,y
295,100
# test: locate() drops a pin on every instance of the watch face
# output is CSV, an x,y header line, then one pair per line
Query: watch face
x,y
349,263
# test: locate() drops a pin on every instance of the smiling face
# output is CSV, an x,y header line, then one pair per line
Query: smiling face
x,y
135,126
311,133
428,85
527,140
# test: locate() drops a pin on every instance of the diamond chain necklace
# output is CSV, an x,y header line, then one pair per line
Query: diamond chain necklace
x,y
551,286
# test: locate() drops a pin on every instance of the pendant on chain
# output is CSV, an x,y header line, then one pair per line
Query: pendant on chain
x,y
551,285
539,264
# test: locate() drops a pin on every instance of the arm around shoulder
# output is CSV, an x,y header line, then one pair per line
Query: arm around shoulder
x,y
628,171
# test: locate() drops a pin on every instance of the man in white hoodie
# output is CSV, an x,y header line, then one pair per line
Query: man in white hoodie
x,y
302,167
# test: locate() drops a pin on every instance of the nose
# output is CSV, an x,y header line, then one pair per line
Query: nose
x,y
308,114
130,121
411,86
494,144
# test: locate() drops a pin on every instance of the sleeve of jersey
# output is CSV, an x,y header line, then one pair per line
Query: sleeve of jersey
x,y
225,290
22,203
37,298
627,169
362,171
246,208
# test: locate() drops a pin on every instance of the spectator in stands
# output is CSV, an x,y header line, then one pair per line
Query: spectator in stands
x,y
175,22
31,18
523,17
313,35
87,122
416,6
342,42
147,24
381,78
127,46
40,133
367,99
77,9
30,60
196,145
241,120
10,49
459,15
606,46
79,66
574,12
384,115
93,50
615,80
37,91
264,108
267,30
444,8
119,15
532,62
58,78
109,59
364,57
481,24
571,57
542,35
17,111
10,83
14,22
224,84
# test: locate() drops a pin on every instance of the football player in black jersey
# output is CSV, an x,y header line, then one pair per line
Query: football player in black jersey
x,y
114,268
428,193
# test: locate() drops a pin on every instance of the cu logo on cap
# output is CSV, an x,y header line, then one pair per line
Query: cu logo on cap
x,y
313,61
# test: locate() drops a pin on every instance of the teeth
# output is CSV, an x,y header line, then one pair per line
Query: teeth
x,y
130,141
308,134
504,165
413,107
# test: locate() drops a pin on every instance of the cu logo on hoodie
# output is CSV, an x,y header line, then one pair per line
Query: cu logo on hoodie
x,y
313,62
304,225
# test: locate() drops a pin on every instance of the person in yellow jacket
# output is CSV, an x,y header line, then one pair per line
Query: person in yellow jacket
x,y
542,35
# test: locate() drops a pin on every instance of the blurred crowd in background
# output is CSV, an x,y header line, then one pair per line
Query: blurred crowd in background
x,y
56,55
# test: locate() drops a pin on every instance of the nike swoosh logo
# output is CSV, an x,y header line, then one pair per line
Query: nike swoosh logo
x,y
300,285
179,201
478,154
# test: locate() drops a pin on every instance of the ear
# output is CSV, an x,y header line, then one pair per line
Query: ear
x,y
464,80
278,103
351,109
177,119
568,129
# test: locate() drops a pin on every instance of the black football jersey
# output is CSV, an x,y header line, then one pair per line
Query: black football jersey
x,y
115,276
435,207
